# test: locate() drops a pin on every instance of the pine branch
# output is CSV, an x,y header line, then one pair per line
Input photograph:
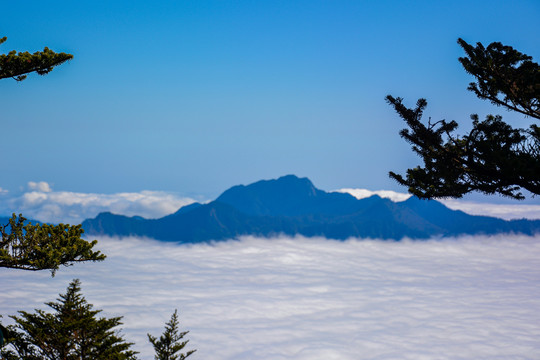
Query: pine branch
x,y
18,65
43,246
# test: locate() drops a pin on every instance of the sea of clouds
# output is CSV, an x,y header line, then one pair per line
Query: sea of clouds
x,y
313,298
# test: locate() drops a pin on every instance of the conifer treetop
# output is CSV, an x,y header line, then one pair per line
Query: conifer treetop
x,y
72,331
169,343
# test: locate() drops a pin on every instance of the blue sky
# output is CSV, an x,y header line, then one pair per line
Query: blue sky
x,y
196,96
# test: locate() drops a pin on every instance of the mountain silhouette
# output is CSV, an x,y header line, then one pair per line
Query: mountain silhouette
x,y
294,206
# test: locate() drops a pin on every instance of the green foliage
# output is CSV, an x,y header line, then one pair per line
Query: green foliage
x,y
17,65
43,246
71,332
494,157
169,344
39,247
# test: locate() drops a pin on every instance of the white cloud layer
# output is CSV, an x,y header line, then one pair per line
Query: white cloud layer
x,y
310,299
364,193
43,204
503,211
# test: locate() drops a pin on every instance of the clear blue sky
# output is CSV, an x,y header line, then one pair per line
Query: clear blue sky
x,y
197,96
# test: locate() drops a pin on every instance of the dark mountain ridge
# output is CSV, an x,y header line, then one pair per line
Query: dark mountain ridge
x,y
294,206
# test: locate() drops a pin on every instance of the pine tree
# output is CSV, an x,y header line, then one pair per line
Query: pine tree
x,y
494,157
71,332
168,344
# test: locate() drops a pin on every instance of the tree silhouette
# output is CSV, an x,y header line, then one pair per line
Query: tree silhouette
x,y
494,157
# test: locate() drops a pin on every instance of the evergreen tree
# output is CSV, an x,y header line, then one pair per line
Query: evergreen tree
x,y
494,157
71,332
169,344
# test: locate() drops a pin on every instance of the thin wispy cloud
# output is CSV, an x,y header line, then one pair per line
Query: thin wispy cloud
x,y
284,298
41,202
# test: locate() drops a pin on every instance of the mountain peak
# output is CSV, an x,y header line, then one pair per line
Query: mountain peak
x,y
285,195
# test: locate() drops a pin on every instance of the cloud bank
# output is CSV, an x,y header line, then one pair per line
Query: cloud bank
x,y
503,211
310,299
41,203
387,194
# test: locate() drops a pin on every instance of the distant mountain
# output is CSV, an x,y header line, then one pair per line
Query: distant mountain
x,y
292,205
